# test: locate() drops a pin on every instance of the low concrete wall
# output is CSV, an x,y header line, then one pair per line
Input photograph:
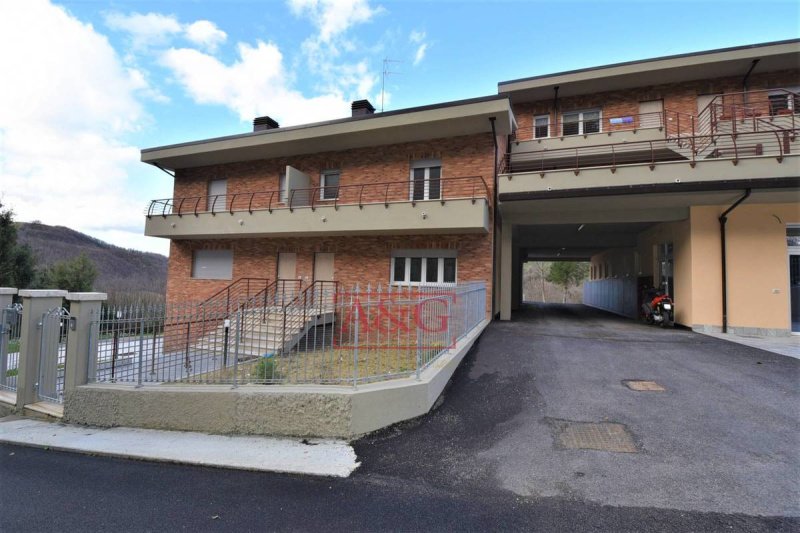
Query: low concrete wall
x,y
288,410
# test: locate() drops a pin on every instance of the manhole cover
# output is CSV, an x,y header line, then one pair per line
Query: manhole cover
x,y
604,436
643,385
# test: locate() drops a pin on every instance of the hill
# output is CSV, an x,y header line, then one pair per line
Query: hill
x,y
119,269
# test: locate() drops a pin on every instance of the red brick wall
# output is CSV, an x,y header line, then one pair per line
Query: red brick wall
x,y
681,97
357,259
464,156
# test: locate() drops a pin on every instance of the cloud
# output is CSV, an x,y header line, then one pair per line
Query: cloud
x,y
418,38
153,30
420,55
63,123
333,17
206,34
257,83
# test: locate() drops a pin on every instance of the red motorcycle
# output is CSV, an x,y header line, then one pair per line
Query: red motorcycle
x,y
659,309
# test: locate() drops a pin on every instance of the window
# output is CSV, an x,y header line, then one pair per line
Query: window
x,y
782,104
424,267
426,180
541,127
284,192
212,264
580,122
217,195
329,185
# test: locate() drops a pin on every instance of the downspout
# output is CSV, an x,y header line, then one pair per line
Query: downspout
x,y
746,76
494,213
723,218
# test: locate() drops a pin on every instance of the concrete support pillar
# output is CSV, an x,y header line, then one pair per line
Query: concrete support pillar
x,y
84,307
506,268
35,303
516,279
6,296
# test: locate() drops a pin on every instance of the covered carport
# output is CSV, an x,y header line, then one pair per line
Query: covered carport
x,y
718,249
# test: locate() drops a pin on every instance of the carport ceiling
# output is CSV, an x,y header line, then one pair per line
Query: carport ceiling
x,y
574,241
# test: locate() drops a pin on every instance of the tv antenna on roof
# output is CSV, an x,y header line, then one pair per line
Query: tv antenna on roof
x,y
386,71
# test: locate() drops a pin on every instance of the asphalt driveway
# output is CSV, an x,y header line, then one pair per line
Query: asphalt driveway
x,y
723,437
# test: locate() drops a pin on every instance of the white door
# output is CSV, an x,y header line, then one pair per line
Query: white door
x,y
287,265
217,195
651,114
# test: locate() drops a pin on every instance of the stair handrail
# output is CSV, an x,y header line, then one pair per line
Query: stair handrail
x,y
232,292
307,297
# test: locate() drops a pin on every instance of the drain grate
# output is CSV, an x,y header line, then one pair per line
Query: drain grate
x,y
643,385
604,436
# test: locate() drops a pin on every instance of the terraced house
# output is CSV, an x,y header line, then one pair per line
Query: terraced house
x,y
679,172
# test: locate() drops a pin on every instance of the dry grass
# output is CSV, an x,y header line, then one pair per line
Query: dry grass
x,y
328,366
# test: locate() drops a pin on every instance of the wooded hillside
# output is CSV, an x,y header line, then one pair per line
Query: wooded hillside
x,y
119,269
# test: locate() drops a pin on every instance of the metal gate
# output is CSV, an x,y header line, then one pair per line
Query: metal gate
x,y
53,354
10,327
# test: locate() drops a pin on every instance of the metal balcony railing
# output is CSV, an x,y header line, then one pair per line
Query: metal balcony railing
x,y
732,146
443,189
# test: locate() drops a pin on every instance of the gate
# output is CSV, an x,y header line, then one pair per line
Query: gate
x,y
53,352
10,326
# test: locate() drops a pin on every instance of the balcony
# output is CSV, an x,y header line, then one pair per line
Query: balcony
x,y
573,134
738,136
447,205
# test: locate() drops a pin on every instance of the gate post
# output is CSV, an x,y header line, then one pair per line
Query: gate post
x,y
35,303
84,307
6,296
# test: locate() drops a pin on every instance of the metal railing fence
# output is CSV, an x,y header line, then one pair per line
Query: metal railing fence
x,y
53,355
442,189
10,330
332,335
774,143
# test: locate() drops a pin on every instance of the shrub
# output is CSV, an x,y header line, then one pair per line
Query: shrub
x,y
265,369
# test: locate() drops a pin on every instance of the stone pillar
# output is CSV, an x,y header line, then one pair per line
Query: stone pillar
x,y
6,296
84,307
35,303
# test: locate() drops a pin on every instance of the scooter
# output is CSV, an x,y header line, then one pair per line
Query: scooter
x,y
660,310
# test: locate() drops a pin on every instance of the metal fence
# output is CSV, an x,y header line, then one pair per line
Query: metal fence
x,y
328,334
53,355
10,330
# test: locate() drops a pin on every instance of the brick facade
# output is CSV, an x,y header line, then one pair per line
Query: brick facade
x,y
680,97
358,259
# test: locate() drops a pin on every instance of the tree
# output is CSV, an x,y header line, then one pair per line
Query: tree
x,y
73,275
567,274
17,265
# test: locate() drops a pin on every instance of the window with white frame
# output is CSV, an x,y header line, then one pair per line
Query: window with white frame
x,y
283,191
580,122
329,185
783,103
424,267
541,126
425,180
212,264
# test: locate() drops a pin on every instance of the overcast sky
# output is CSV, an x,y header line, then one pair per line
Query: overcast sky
x,y
84,85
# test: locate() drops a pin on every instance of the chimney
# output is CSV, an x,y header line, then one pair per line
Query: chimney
x,y
362,107
264,123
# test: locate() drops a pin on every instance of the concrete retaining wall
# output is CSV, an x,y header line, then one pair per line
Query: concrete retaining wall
x,y
288,410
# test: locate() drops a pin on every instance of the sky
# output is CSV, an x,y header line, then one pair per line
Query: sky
x,y
85,85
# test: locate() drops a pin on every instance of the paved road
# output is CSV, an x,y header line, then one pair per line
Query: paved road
x,y
716,450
